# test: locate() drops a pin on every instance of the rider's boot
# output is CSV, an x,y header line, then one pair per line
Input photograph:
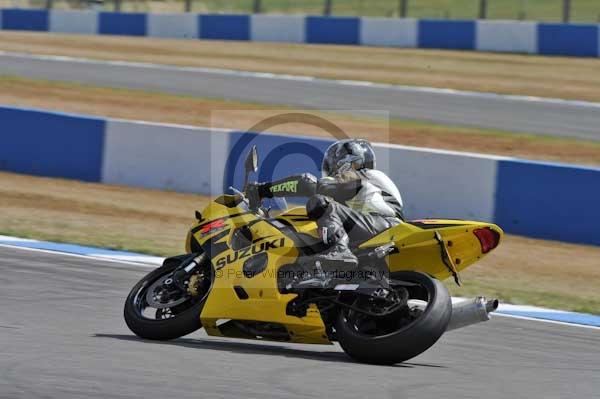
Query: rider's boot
x,y
338,257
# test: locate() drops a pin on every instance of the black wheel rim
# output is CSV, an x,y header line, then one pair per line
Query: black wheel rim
x,y
178,306
419,302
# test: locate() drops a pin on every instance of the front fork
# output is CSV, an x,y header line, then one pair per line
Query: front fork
x,y
184,271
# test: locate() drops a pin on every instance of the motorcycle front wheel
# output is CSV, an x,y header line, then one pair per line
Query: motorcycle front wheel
x,y
401,336
159,311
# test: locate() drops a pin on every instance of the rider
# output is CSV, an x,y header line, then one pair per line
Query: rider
x,y
351,202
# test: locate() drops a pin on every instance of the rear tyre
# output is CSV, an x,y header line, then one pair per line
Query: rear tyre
x,y
408,337
168,322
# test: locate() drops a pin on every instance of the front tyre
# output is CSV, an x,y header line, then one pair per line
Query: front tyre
x,y
155,311
402,336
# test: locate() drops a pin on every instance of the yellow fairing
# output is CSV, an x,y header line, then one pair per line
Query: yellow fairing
x,y
265,302
419,250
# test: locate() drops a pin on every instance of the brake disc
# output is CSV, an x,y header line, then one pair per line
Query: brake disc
x,y
161,295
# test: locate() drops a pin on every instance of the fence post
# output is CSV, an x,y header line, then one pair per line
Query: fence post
x,y
482,9
117,5
257,8
566,10
327,7
403,8
49,4
188,6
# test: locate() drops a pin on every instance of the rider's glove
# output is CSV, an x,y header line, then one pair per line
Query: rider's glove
x,y
342,186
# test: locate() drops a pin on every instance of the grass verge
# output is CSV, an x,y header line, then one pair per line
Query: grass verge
x,y
521,270
563,77
158,107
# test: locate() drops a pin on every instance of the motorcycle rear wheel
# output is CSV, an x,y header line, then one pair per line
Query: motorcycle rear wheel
x,y
185,316
409,339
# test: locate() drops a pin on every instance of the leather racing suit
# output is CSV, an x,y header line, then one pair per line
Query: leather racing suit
x,y
349,207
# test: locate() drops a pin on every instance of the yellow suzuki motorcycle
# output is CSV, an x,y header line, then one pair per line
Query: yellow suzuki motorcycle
x,y
248,274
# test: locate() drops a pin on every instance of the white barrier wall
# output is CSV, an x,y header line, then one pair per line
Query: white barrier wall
x,y
507,36
277,28
389,32
437,183
177,26
160,156
81,22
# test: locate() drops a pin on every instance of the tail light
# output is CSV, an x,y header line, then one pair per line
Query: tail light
x,y
488,239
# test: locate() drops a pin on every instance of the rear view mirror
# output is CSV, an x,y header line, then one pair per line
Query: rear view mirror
x,y
251,163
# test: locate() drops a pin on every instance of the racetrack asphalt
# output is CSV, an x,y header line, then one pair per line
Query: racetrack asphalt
x,y
509,113
62,335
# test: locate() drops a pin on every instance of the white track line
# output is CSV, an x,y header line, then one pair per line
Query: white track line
x,y
58,253
300,78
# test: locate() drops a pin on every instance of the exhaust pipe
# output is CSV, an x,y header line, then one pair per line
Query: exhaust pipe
x,y
472,311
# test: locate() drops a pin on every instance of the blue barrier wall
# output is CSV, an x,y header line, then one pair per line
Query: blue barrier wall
x,y
447,34
17,19
114,23
51,144
558,202
561,39
332,30
224,27
483,35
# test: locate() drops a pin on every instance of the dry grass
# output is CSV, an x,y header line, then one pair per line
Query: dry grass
x,y
574,78
93,214
133,104
521,270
